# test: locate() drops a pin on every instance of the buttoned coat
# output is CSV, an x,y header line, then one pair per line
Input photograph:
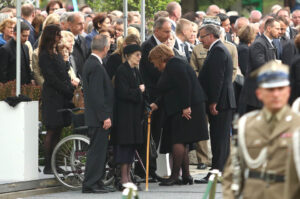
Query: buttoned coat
x,y
257,136
260,52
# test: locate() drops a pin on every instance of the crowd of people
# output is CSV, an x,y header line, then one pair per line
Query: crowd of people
x,y
194,69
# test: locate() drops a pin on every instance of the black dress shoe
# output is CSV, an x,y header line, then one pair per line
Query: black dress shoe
x,y
48,171
170,182
201,166
95,189
202,181
187,180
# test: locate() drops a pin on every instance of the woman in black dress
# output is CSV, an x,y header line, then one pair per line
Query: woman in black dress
x,y
57,90
129,91
183,100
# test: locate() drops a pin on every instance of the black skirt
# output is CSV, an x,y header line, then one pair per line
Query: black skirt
x,y
124,154
178,130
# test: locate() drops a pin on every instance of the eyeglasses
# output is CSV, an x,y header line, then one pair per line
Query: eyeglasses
x,y
201,37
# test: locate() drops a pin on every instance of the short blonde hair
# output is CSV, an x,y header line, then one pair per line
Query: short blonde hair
x,y
6,22
133,31
65,35
161,53
51,19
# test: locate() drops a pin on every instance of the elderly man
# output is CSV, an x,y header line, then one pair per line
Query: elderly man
x,y
174,10
255,16
162,32
98,101
80,51
258,167
212,10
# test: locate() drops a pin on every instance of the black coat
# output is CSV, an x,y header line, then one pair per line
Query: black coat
x,y
180,89
243,56
128,106
112,64
8,63
216,77
295,78
98,93
179,86
261,51
289,50
57,90
80,54
149,73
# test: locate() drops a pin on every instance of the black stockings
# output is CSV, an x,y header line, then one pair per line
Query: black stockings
x,y
180,160
51,139
125,173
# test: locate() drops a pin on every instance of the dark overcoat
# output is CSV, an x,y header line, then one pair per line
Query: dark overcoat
x,y
128,107
57,90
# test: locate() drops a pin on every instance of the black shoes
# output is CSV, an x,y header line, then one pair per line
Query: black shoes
x,y
98,189
187,180
170,182
48,171
202,181
201,166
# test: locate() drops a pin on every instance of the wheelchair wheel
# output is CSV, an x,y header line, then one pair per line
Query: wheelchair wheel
x,y
68,160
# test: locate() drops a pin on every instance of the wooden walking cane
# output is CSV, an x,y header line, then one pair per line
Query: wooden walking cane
x,y
148,150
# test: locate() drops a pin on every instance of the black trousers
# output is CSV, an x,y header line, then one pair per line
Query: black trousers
x,y
220,126
96,156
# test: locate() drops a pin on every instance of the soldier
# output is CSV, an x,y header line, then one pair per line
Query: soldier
x,y
292,184
263,139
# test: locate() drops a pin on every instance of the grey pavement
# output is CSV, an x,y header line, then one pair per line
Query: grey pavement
x,y
195,191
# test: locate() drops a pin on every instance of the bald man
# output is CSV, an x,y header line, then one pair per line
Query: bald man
x,y
174,10
212,10
255,16
296,18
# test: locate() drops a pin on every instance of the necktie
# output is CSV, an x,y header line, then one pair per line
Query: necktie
x,y
275,49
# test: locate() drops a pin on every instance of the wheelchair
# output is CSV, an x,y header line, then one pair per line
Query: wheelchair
x,y
69,155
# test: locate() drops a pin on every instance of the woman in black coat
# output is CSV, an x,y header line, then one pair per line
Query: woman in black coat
x,y
57,90
183,100
127,131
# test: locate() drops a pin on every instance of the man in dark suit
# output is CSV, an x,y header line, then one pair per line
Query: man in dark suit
x,y
290,32
261,51
216,79
8,58
162,32
184,30
80,50
98,100
28,14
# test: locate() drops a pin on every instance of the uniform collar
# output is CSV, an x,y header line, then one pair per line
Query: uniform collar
x,y
279,115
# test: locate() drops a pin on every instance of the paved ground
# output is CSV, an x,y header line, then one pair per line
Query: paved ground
x,y
195,191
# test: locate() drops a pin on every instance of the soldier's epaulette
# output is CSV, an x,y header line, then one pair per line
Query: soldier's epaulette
x,y
251,114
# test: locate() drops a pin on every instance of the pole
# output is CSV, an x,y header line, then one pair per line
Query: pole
x,y
148,147
143,25
18,62
125,16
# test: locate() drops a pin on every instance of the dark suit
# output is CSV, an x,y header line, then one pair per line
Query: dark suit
x,y
243,57
151,76
289,50
260,52
293,32
8,63
31,37
98,100
295,78
186,50
80,54
216,79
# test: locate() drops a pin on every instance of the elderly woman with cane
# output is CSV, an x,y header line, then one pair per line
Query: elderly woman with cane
x,y
129,91
183,100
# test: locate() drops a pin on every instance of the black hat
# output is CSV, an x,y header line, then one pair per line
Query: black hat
x,y
131,49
